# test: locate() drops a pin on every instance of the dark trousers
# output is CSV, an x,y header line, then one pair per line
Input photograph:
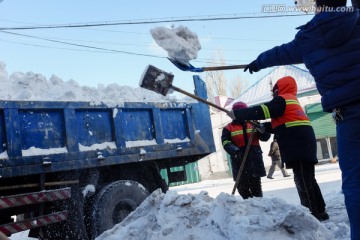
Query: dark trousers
x,y
249,187
348,140
308,188
276,162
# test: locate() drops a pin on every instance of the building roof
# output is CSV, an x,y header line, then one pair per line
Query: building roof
x,y
260,92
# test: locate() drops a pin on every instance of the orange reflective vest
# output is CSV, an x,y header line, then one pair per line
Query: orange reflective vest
x,y
237,134
294,114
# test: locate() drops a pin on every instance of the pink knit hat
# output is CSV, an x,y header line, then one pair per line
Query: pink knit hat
x,y
239,105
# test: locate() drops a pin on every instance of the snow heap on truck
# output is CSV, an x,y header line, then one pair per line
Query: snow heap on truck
x,y
31,86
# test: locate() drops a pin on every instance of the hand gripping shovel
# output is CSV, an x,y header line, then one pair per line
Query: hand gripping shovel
x,y
188,67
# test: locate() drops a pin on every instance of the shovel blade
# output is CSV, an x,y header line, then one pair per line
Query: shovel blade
x,y
185,66
156,80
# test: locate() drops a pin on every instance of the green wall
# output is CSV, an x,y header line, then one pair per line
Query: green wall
x,y
322,122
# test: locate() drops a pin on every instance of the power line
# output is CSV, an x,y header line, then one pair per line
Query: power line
x,y
51,47
84,46
139,22
97,49
127,22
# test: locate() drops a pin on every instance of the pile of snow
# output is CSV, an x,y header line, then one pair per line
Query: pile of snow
x,y
35,87
172,216
180,43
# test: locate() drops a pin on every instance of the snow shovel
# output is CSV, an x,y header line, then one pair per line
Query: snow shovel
x,y
188,67
244,159
160,81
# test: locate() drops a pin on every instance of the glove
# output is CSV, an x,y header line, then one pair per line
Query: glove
x,y
231,114
258,126
239,115
251,67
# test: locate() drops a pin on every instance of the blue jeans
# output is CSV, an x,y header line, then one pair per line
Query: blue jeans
x,y
348,140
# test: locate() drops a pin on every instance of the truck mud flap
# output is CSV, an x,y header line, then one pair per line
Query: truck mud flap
x,y
44,220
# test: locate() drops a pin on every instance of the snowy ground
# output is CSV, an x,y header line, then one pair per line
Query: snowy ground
x,y
189,213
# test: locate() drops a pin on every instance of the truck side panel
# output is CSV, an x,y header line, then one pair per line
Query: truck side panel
x,y
108,159
44,137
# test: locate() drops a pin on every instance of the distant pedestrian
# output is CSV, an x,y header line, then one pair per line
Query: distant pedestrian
x,y
235,137
274,153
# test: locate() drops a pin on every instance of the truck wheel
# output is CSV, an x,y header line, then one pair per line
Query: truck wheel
x,y
114,202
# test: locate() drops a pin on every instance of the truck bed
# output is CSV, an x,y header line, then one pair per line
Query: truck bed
x,y
45,136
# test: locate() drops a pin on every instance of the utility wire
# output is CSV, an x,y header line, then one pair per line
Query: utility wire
x,y
97,49
203,61
84,46
106,50
51,47
129,22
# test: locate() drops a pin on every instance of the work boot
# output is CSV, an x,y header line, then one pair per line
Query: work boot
x,y
287,175
270,177
322,216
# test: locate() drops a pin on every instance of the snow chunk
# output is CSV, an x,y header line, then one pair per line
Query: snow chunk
x,y
180,43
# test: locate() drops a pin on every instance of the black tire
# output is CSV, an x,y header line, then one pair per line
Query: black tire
x,y
114,202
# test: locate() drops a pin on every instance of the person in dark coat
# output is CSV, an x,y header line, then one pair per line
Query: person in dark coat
x,y
329,46
296,139
274,153
235,137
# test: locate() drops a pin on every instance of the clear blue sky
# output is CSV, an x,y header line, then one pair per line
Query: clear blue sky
x,y
241,40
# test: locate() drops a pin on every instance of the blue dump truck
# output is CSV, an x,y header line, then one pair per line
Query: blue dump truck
x,y
71,170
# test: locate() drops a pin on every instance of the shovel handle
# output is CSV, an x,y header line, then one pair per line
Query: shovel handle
x,y
200,99
256,124
243,160
224,67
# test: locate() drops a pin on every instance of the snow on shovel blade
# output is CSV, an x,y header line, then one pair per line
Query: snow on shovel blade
x,y
156,80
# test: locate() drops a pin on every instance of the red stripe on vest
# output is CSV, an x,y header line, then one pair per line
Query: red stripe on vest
x,y
238,139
